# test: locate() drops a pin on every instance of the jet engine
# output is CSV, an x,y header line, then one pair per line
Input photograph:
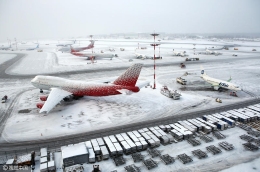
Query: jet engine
x,y
40,105
43,98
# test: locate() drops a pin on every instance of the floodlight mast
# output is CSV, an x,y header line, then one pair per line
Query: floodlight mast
x,y
154,45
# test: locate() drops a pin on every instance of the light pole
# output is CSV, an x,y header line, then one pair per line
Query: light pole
x,y
194,48
91,49
159,49
154,45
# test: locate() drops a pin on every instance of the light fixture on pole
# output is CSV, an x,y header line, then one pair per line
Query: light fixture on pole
x,y
154,45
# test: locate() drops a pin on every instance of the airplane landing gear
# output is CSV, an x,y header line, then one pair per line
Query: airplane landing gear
x,y
41,91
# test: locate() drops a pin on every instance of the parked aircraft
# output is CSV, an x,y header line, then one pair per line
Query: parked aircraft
x,y
218,84
5,48
179,53
29,49
66,44
94,56
62,88
207,51
76,49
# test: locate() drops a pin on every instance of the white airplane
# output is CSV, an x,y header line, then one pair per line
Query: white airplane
x,y
218,84
179,53
62,88
29,49
140,56
94,56
5,48
65,44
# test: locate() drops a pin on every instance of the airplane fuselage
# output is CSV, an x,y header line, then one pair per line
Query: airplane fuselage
x,y
80,88
217,83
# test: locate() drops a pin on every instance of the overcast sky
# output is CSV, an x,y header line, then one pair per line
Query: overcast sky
x,y
26,19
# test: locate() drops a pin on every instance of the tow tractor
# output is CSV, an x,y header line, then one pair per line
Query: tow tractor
x,y
4,99
218,100
181,80
171,94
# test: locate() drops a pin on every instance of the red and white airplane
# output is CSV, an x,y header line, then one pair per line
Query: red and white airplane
x,y
62,88
70,49
78,49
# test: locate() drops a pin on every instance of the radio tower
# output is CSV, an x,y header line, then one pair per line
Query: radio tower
x,y
154,45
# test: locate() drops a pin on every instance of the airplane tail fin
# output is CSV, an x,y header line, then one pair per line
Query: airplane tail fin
x,y
203,73
130,76
37,46
72,49
92,42
229,79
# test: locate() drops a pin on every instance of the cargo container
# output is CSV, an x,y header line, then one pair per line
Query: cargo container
x,y
51,166
248,113
168,128
145,129
43,152
104,152
157,134
151,129
151,143
220,126
100,142
164,140
139,146
132,145
112,138
162,132
88,144
126,147
74,154
146,136
212,126
156,128
111,149
91,158
97,150
134,138
94,142
119,149
119,137
177,135
156,140
162,127
254,112
199,127
171,139
241,118
43,167
136,134
125,136
141,138
144,144
141,131
149,133
43,160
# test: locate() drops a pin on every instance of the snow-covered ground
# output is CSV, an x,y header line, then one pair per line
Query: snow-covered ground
x,y
5,57
91,113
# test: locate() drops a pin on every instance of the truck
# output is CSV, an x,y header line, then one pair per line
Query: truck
x,y
122,49
192,59
170,93
182,65
181,81
4,99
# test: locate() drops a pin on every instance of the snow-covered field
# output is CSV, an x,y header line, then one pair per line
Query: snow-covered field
x,y
5,57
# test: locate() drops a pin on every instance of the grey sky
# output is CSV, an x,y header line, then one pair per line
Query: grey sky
x,y
26,19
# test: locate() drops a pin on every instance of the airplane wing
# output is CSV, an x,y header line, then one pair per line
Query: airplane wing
x,y
55,96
